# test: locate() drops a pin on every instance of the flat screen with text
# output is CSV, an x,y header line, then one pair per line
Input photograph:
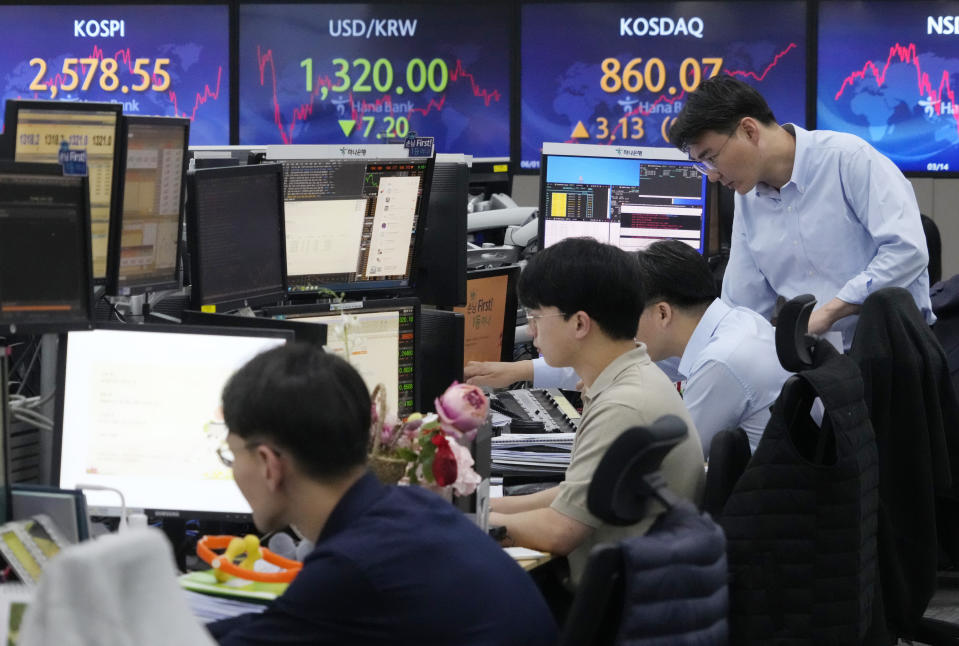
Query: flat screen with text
x,y
152,203
352,225
139,410
378,339
629,202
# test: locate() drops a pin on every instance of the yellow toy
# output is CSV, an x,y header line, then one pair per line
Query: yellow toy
x,y
225,568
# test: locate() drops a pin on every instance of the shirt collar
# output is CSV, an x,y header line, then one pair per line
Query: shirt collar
x,y
361,496
701,335
616,367
800,173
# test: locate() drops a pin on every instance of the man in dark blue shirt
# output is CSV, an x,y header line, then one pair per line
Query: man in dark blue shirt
x,y
392,565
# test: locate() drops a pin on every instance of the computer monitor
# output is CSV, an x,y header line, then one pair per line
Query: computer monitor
x,y
379,337
138,409
490,314
235,231
303,332
441,264
153,160
45,275
631,67
85,136
889,80
354,225
170,59
624,196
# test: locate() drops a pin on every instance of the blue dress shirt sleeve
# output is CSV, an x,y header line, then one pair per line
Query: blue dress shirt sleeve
x,y
885,203
546,376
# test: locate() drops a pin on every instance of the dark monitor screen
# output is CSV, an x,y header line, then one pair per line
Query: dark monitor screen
x,y
138,409
47,131
623,196
490,314
45,280
365,73
236,234
441,263
889,80
354,225
628,67
154,163
378,337
151,59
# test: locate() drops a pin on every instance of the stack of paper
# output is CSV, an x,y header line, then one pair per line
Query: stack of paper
x,y
531,453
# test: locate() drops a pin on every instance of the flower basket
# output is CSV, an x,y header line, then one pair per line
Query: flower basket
x,y
430,450
388,470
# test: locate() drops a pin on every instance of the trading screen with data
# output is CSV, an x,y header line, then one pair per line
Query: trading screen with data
x,y
630,201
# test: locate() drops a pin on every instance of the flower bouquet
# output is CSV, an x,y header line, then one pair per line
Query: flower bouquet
x,y
429,450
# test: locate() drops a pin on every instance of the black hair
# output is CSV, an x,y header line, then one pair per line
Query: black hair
x,y
583,274
674,272
719,104
311,404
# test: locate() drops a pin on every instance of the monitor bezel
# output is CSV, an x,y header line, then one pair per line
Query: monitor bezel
x,y
57,443
303,332
83,321
113,286
512,273
11,120
638,153
376,289
197,298
366,305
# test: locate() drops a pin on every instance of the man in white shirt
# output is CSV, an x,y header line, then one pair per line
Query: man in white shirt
x,y
727,355
817,212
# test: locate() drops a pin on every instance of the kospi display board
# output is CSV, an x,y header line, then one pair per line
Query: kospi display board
x,y
370,73
619,73
889,80
165,60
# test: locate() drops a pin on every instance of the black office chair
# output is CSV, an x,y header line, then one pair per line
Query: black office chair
x,y
729,453
669,584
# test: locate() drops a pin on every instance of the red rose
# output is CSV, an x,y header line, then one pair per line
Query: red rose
x,y
444,463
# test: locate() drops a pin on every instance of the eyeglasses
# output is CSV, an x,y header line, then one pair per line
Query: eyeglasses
x,y
225,453
532,318
708,164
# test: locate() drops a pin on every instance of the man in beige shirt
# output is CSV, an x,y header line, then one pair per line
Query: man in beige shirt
x,y
583,301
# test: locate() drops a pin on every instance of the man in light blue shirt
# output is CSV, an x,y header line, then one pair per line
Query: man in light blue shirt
x,y
817,212
727,355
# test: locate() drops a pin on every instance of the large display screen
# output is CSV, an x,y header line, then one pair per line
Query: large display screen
x,y
368,73
889,80
625,69
157,60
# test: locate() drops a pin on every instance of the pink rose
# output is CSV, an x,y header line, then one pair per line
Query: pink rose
x,y
461,409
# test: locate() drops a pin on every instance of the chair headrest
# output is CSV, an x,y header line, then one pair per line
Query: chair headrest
x,y
793,344
620,489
